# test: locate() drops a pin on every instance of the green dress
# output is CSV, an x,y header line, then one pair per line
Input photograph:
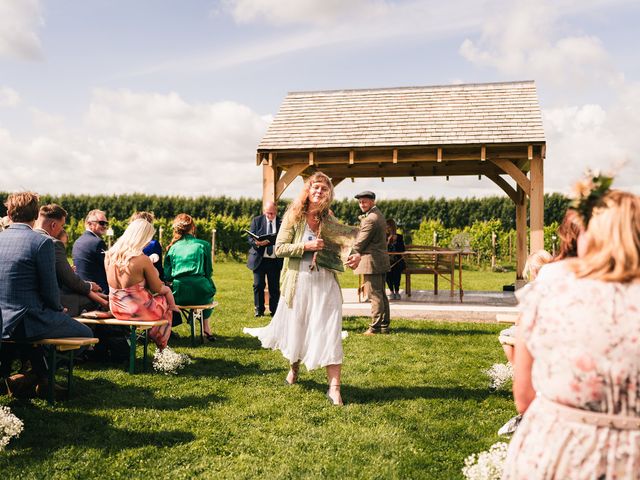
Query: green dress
x,y
188,266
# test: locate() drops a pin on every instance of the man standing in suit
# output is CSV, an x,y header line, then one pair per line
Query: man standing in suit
x,y
262,260
29,295
88,251
371,248
76,294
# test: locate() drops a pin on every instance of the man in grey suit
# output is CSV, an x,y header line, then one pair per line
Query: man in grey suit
x,y
76,294
29,295
371,248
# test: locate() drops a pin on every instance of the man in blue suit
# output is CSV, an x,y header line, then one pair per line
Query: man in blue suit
x,y
29,294
88,250
262,260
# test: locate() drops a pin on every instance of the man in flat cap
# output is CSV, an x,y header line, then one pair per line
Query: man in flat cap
x,y
371,247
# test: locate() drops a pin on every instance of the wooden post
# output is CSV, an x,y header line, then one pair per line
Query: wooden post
x,y
521,234
536,204
269,179
213,246
493,250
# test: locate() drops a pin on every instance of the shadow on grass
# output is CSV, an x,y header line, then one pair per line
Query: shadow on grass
x,y
239,342
442,331
219,368
102,393
47,431
371,395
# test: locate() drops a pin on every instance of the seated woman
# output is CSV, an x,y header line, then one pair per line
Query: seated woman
x,y
188,267
135,289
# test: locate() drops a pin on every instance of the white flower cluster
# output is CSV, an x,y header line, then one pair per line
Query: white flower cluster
x,y
486,465
169,362
10,426
499,374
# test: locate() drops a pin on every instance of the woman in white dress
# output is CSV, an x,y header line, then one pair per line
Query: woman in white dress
x,y
307,326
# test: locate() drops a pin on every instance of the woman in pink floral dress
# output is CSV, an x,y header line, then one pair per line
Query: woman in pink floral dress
x,y
577,361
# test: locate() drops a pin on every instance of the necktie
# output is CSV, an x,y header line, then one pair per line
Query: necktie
x,y
269,231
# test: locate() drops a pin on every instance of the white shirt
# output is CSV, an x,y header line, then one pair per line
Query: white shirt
x,y
273,230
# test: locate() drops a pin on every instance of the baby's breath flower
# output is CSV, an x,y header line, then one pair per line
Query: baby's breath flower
x,y
10,426
486,465
499,374
168,361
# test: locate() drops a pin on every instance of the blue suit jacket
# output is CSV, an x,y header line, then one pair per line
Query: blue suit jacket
x,y
88,257
29,292
259,227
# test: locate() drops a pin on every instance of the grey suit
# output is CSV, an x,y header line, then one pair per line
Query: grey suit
x,y
73,290
29,295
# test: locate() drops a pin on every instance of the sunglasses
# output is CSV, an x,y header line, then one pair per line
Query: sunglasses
x,y
102,223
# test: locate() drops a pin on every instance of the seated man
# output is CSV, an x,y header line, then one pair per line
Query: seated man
x,y
29,295
88,250
76,294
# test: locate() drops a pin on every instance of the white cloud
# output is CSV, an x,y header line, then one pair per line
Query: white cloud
x,y
9,97
140,142
284,12
526,41
19,22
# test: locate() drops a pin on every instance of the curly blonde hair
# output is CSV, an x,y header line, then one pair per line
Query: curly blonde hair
x,y
300,206
182,225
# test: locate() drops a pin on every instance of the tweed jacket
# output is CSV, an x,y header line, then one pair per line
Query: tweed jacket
x,y
290,245
29,292
371,243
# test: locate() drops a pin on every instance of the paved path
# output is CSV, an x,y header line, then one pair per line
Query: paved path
x,y
474,307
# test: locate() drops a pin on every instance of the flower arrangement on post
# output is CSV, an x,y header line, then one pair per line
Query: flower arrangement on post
x,y
168,361
499,374
487,465
10,426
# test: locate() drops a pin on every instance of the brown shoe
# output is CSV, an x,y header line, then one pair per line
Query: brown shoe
x,y
22,385
370,331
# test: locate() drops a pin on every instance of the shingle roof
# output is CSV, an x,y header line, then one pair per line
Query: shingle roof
x,y
436,115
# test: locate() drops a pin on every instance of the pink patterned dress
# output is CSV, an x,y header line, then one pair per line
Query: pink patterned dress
x,y
584,336
137,303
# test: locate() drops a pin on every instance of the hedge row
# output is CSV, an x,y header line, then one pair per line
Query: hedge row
x,y
455,213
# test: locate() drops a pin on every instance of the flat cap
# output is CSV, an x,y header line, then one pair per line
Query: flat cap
x,y
366,194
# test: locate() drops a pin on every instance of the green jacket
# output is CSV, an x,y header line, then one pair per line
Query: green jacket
x,y
290,245
188,266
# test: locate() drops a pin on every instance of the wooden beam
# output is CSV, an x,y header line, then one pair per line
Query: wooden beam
x,y
439,155
504,185
270,160
268,183
336,181
518,175
288,177
483,153
395,155
311,155
536,204
352,157
258,158
521,234
529,152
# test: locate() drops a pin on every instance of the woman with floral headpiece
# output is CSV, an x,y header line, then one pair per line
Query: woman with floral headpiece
x,y
577,358
189,268
307,325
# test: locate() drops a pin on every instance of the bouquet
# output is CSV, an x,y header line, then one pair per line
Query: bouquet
x,y
10,426
168,361
486,465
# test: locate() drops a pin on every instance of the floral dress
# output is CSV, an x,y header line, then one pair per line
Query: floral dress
x,y
584,336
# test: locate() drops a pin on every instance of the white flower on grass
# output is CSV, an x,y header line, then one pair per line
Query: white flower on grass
x,y
486,465
167,361
10,426
344,334
499,374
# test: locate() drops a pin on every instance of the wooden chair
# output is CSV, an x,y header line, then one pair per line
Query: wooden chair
x,y
191,313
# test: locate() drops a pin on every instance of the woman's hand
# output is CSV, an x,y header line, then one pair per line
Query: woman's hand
x,y
314,245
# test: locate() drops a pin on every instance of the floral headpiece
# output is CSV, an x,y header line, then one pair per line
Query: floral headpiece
x,y
587,193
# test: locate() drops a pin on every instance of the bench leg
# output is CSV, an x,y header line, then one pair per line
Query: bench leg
x,y
133,338
145,349
52,374
70,357
193,328
201,322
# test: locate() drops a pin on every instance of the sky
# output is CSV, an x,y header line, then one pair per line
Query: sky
x,y
173,97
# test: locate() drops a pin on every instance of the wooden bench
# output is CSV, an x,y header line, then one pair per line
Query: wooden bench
x,y
59,350
134,326
194,312
436,261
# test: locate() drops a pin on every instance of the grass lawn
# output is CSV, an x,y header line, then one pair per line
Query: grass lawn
x,y
416,405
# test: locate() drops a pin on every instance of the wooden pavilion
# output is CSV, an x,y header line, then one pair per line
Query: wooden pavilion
x,y
490,129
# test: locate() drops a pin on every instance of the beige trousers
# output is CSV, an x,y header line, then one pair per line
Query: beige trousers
x,y
374,285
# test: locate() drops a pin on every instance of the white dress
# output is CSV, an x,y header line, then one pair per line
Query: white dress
x,y
310,331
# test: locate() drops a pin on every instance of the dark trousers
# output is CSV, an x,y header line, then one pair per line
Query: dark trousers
x,y
269,268
393,278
